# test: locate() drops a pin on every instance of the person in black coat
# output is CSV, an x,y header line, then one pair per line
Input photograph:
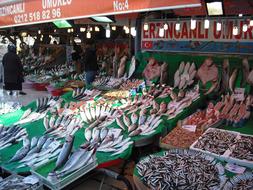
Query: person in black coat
x,y
90,63
13,71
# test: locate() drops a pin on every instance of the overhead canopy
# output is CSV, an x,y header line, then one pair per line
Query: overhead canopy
x,y
24,12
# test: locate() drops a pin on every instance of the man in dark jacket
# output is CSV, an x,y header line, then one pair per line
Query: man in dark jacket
x,y
13,71
90,63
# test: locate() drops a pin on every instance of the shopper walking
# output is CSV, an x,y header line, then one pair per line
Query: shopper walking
x,y
90,63
13,71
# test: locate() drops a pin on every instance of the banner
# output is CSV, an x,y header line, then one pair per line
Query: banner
x,y
23,12
199,39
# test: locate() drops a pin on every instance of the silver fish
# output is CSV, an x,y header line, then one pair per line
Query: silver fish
x,y
20,154
103,133
46,122
120,123
25,114
88,134
65,151
126,120
135,132
132,128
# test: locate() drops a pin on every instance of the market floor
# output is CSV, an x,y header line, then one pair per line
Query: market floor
x,y
94,182
30,96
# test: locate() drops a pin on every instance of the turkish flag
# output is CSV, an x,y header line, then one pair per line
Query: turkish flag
x,y
147,44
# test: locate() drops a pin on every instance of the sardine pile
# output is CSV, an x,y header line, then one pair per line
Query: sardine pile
x,y
184,76
240,182
38,151
243,148
107,82
216,141
8,107
108,140
141,124
84,94
97,114
177,169
175,107
11,135
62,126
43,105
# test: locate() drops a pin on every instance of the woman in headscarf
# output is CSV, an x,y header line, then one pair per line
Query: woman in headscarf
x,y
13,71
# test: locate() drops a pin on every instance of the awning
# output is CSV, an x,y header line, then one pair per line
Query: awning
x,y
24,12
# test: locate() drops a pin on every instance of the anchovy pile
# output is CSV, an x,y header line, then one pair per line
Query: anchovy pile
x,y
77,76
216,141
11,135
139,125
108,140
36,152
61,126
243,148
107,82
84,94
240,182
177,169
8,107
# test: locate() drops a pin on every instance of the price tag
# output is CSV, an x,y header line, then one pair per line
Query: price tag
x,y
239,94
235,168
191,128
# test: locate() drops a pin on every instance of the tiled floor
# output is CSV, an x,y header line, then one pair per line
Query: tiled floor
x,y
23,99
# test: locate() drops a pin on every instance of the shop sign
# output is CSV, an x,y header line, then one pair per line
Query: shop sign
x,y
24,12
199,39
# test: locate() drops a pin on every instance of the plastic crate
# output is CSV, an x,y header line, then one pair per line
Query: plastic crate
x,y
40,86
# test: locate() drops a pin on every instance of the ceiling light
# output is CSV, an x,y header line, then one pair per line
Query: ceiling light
x,y
108,31
161,32
218,26
235,30
245,28
177,26
102,19
214,7
113,28
82,29
206,24
240,15
127,30
193,24
62,24
133,31
24,34
55,30
90,29
39,31
166,26
88,35
69,30
251,22
145,26
97,29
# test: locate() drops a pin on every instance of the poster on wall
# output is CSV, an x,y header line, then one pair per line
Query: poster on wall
x,y
199,40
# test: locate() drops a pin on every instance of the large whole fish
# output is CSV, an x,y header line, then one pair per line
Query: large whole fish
x,y
65,151
232,80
